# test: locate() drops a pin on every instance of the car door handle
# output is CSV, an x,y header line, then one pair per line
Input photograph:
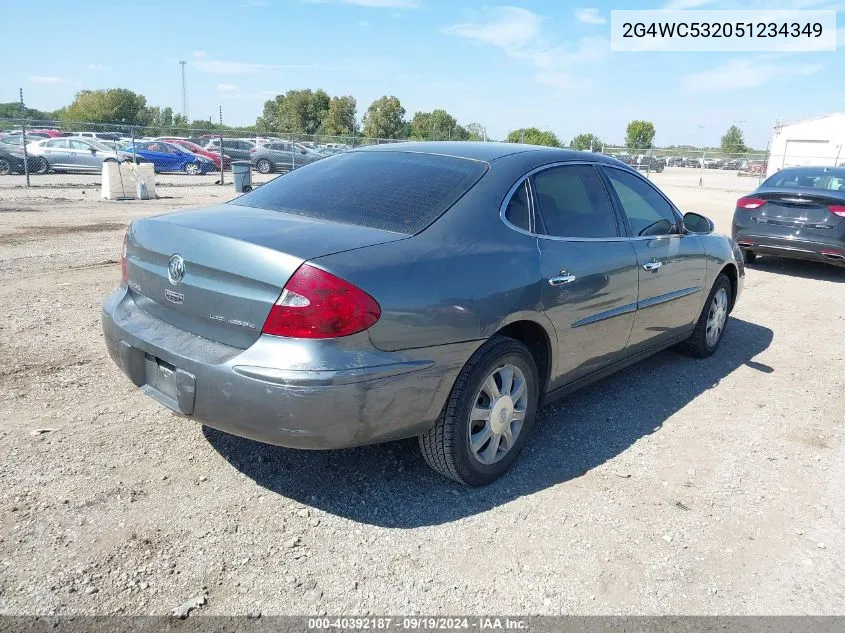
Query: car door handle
x,y
652,266
563,278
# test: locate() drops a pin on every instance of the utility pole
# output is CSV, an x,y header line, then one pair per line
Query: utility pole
x,y
23,141
701,147
182,63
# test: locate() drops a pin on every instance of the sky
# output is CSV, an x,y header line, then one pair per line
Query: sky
x,y
543,63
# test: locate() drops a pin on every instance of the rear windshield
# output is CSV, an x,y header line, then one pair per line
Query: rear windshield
x,y
401,192
825,179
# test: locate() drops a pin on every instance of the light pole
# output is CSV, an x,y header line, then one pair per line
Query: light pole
x,y
701,147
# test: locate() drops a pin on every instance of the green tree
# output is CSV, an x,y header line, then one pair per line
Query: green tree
x,y
295,111
586,142
385,118
113,105
639,135
476,132
533,136
438,125
733,141
12,110
339,119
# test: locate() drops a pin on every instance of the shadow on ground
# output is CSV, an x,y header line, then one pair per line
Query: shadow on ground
x,y
390,485
799,268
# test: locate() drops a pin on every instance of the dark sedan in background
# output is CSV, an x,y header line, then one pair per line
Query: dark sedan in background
x,y
439,290
282,156
12,162
799,212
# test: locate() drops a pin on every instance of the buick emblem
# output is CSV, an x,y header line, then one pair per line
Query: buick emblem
x,y
176,269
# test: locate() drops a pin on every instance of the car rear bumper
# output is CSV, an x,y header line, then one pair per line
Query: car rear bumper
x,y
297,393
831,251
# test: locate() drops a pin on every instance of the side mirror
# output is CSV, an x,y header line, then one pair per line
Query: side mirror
x,y
697,223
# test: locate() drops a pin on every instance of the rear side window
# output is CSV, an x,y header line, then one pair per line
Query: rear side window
x,y
573,202
517,212
401,192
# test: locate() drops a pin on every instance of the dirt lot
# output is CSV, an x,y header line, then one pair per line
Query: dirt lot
x,y
677,486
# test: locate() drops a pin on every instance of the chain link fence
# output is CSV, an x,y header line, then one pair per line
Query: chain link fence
x,y
59,154
52,153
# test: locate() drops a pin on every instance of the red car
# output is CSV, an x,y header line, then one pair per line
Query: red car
x,y
199,151
50,133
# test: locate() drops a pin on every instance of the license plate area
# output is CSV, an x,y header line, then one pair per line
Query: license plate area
x,y
160,375
173,387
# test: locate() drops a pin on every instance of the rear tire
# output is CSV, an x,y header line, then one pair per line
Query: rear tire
x,y
5,167
712,322
473,447
748,256
264,166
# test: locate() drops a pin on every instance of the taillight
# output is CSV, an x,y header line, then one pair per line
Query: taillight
x,y
317,304
837,209
252,150
124,275
750,203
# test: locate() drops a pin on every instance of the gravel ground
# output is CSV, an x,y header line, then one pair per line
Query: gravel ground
x,y
676,486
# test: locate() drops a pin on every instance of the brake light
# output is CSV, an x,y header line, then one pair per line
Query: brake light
x,y
252,150
317,304
750,203
124,275
837,209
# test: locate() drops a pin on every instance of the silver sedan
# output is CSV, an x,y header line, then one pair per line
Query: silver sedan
x,y
71,153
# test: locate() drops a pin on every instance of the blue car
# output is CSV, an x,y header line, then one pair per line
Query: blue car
x,y
170,157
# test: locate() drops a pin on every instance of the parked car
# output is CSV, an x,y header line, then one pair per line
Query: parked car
x,y
117,145
713,163
18,139
675,161
238,149
281,157
692,162
12,162
649,163
799,212
188,146
71,153
102,136
732,164
167,157
756,166
356,303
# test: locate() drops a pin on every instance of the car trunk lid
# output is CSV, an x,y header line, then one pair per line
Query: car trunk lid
x,y
217,271
797,209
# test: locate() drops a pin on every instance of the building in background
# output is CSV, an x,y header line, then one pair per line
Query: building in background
x,y
817,141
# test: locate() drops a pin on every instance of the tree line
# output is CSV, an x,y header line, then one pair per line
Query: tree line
x,y
315,112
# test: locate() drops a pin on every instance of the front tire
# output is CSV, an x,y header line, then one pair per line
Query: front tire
x,y
192,169
711,324
5,167
488,416
41,167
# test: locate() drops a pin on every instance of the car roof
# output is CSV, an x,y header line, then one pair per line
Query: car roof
x,y
488,152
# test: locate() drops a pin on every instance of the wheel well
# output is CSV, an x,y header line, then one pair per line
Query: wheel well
x,y
730,272
534,337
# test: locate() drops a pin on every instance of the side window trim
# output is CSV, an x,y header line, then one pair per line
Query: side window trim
x,y
522,183
618,204
599,167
